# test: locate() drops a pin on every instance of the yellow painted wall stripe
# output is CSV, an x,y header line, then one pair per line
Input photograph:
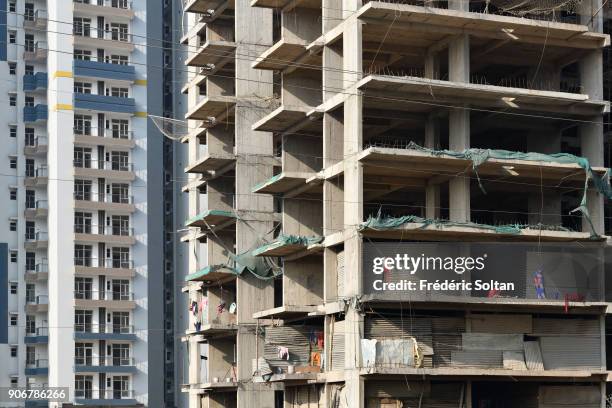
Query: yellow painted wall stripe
x,y
141,82
62,106
62,74
141,114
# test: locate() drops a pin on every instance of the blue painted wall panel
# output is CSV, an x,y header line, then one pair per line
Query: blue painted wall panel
x,y
97,69
104,103
4,293
3,32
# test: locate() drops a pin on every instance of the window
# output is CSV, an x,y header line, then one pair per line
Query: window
x,y
121,322
82,157
82,190
30,324
14,256
82,255
82,125
13,163
12,68
14,320
29,137
14,382
120,128
120,193
83,386
82,26
82,222
83,288
120,225
13,225
83,353
30,263
13,131
119,32
119,92
29,70
30,293
30,230
12,37
30,355
29,168
82,87
12,7
28,14
82,320
117,59
120,257
29,43
84,55
13,194
119,4
12,100
120,161
29,101
13,351
30,201
14,286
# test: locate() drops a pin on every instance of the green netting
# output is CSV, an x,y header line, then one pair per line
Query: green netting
x,y
284,240
381,223
267,182
202,215
479,156
202,273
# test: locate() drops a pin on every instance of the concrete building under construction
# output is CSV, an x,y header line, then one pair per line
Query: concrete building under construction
x,y
353,164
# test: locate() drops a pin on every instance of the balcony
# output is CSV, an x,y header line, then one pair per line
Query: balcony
x,y
118,235
37,147
106,364
36,52
104,202
35,82
36,20
36,240
104,332
105,398
39,336
33,114
37,304
115,268
107,299
110,40
38,274
113,170
95,69
40,209
37,177
104,137
38,367
104,103
110,8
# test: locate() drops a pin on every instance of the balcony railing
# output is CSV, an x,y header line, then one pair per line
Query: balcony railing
x,y
41,267
90,32
37,141
103,165
35,51
37,300
38,205
103,394
39,331
120,4
34,82
119,231
103,328
102,132
104,263
36,236
35,113
106,361
104,198
102,295
39,363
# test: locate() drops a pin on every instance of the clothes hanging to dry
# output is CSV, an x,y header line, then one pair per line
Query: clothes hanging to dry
x,y
283,353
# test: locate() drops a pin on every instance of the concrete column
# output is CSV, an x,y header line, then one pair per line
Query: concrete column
x,y
591,14
432,191
591,134
432,66
459,127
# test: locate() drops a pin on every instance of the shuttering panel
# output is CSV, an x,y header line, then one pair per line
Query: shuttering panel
x,y
501,323
491,341
565,326
569,396
571,352
477,359
533,356
337,350
446,338
340,273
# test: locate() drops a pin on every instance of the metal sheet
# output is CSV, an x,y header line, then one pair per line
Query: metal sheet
x,y
571,352
514,360
477,359
565,326
533,356
569,396
337,349
492,341
501,323
340,272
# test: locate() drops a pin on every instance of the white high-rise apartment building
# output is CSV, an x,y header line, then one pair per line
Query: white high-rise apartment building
x,y
81,200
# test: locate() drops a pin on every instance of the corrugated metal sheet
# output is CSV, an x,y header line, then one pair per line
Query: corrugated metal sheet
x,y
569,396
565,326
514,360
533,356
398,328
340,272
501,323
477,359
491,341
446,338
337,351
396,389
571,352
295,338
306,396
